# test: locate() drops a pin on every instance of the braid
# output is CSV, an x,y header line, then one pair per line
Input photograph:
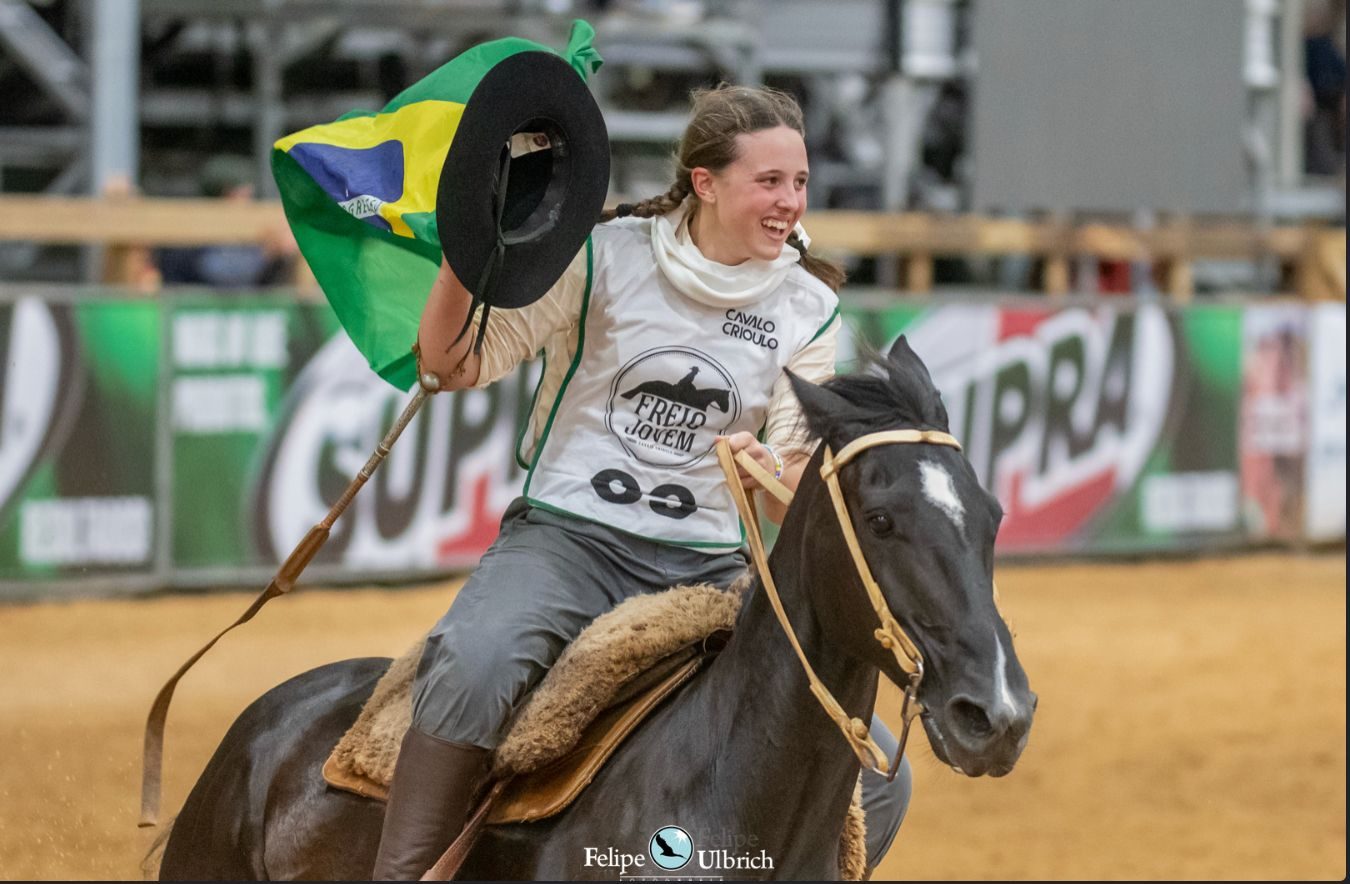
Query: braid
x,y
827,272
650,208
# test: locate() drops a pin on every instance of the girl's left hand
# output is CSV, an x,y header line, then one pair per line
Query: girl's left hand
x,y
744,441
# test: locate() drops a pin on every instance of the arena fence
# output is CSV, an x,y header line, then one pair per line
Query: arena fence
x,y
191,440
1310,256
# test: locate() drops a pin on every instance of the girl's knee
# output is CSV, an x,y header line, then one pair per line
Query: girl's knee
x,y
464,685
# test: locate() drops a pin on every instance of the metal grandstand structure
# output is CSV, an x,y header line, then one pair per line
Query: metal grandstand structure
x,y
106,95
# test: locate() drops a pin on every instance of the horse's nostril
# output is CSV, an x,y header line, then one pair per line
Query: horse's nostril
x,y
970,721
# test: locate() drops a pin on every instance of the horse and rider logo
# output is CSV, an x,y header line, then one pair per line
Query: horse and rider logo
x,y
668,405
671,848
683,393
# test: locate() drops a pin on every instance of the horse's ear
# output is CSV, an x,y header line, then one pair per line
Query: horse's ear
x,y
907,371
821,407
903,355
901,350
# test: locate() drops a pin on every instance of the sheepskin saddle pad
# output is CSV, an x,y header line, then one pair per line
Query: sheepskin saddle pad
x,y
605,683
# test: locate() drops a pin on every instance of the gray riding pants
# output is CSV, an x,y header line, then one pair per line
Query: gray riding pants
x,y
543,580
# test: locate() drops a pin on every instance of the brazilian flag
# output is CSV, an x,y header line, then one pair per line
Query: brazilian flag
x,y
360,196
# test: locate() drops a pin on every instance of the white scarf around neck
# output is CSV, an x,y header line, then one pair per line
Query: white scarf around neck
x,y
706,281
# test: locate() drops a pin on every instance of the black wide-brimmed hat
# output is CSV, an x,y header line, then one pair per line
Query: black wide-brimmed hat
x,y
524,181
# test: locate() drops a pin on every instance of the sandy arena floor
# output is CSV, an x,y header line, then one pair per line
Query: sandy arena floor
x,y
1191,723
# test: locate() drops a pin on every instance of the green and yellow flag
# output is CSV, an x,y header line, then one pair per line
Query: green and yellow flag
x,y
360,196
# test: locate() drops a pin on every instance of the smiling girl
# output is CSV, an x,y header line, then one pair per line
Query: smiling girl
x,y
672,328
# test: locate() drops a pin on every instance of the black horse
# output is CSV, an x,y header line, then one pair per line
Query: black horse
x,y
744,750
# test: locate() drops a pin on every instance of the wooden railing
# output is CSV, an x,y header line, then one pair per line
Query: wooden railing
x,y
1313,256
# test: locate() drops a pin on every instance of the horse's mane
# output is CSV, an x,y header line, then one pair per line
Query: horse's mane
x,y
882,393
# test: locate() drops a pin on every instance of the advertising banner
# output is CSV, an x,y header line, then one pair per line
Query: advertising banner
x,y
194,441
78,412
435,503
1100,428
231,363
274,412
1274,422
1324,518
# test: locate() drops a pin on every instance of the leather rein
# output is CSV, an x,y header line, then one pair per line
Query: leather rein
x,y
889,634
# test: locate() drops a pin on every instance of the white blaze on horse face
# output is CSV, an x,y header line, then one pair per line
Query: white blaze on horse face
x,y
940,490
1002,694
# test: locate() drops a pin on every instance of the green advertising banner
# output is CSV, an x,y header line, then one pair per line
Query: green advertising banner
x,y
231,364
78,412
195,440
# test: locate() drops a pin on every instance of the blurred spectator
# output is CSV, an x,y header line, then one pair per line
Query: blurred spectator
x,y
936,183
269,263
1324,105
132,266
943,145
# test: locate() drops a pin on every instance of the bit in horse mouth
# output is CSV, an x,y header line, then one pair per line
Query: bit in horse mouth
x,y
939,743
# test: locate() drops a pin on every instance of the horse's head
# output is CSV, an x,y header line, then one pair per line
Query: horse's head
x,y
926,530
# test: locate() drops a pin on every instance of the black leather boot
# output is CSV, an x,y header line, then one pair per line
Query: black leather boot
x,y
435,783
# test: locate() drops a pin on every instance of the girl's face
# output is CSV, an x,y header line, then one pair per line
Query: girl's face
x,y
748,209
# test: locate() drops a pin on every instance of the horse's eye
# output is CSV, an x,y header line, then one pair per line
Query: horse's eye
x,y
880,523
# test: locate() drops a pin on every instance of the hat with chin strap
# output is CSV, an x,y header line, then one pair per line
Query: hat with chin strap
x,y
523,183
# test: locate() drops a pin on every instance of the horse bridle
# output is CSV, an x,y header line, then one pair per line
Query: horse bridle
x,y
889,634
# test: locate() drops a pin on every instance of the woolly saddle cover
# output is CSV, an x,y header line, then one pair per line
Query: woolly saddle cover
x,y
610,661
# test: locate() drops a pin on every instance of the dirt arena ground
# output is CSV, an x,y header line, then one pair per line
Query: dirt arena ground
x,y
1191,723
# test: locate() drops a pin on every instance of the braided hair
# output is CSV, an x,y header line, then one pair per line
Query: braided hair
x,y
709,141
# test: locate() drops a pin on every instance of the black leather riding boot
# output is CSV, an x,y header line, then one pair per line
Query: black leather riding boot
x,y
435,783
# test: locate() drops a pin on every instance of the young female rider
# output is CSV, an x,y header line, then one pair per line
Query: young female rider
x,y
670,329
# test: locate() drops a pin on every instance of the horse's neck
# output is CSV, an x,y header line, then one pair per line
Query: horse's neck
x,y
760,668
761,702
